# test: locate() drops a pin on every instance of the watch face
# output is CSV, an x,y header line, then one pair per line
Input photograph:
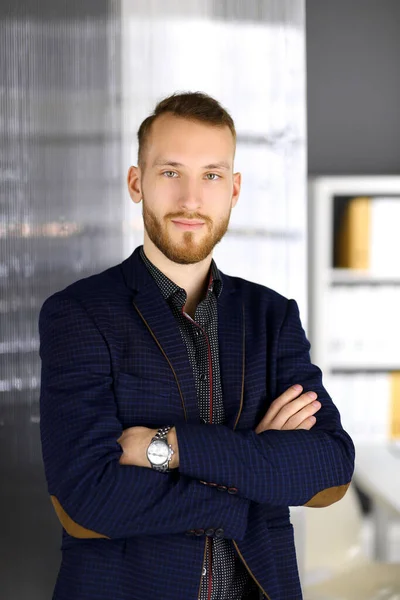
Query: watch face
x,y
157,452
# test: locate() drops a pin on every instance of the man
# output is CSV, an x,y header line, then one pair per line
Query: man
x,y
178,403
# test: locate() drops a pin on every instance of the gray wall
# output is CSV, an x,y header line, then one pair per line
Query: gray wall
x,y
353,73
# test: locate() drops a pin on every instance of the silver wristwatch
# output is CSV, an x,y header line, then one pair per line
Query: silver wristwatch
x,y
159,452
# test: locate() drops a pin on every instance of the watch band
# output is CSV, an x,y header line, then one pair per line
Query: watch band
x,y
162,433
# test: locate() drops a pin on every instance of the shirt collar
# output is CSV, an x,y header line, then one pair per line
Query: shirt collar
x,y
169,289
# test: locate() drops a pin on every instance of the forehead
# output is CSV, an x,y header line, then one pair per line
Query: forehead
x,y
178,137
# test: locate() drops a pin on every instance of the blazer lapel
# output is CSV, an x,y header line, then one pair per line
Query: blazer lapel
x,y
159,320
231,337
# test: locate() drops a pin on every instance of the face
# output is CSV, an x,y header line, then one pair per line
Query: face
x,y
188,187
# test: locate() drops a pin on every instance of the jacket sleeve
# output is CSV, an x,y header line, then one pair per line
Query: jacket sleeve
x,y
290,468
93,495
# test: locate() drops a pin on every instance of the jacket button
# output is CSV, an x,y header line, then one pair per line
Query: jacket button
x,y
219,533
222,488
190,532
212,484
210,531
232,490
199,532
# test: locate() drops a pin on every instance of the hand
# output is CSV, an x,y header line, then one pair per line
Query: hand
x,y
135,441
290,411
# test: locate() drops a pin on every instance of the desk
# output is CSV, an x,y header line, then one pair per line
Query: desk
x,y
377,474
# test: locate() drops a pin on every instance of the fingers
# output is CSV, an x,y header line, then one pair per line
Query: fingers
x,y
290,411
307,423
296,419
298,410
294,412
288,396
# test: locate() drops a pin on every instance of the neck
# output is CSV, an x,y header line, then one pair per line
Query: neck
x,y
192,278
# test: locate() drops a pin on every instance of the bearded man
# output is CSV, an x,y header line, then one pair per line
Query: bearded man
x,y
179,411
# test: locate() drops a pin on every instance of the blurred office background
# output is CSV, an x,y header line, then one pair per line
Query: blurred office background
x,y
353,95
76,80
60,219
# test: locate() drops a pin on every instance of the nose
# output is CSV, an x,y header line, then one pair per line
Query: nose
x,y
190,197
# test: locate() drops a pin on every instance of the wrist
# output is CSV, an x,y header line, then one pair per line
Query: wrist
x,y
146,443
173,441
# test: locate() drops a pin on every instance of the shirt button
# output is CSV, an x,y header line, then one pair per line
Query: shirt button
x,y
198,332
204,572
203,377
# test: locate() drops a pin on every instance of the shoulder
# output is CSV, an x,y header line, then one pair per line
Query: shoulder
x,y
97,289
254,291
260,303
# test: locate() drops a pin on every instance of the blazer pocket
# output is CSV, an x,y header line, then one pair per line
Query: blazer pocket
x,y
146,402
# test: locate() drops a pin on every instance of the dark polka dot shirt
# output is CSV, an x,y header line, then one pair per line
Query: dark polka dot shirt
x,y
229,579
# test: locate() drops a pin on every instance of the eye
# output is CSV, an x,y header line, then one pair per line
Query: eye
x,y
212,176
170,174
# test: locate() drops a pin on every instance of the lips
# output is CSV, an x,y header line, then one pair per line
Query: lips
x,y
188,224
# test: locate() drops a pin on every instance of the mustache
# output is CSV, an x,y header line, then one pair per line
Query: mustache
x,y
182,215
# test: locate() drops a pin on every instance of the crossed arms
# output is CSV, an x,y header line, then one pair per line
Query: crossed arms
x,y
290,411
98,493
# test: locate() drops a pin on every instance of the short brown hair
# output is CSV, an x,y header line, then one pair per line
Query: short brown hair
x,y
194,106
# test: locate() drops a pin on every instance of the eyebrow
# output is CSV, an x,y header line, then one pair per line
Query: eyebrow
x,y
162,162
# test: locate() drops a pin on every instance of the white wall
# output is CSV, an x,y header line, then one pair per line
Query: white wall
x,y
254,64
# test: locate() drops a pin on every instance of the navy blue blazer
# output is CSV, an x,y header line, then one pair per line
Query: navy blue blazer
x,y
113,357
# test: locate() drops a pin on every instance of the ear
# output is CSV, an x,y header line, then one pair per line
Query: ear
x,y
237,182
134,184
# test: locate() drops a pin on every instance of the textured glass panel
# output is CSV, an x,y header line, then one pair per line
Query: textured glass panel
x,y
60,219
